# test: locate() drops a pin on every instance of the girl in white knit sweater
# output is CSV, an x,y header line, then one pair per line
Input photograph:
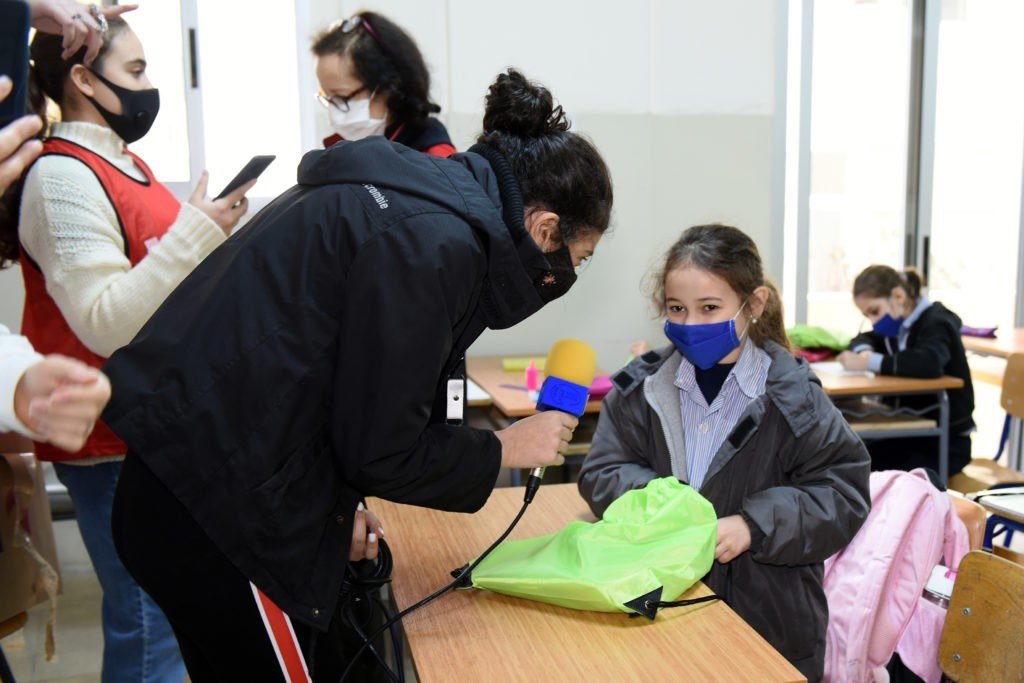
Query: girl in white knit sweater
x,y
102,243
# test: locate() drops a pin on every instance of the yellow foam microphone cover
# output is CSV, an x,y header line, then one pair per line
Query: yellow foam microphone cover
x,y
572,360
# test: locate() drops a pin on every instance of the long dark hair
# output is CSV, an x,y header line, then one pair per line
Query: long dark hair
x,y
878,282
730,254
558,170
47,78
386,57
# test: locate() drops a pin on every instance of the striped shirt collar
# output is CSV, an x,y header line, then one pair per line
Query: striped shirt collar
x,y
750,372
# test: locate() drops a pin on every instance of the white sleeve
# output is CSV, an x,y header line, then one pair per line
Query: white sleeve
x,y
69,229
16,355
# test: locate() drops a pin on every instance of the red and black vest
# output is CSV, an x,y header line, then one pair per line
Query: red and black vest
x,y
145,210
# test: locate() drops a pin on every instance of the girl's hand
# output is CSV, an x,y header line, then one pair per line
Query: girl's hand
x,y
733,538
225,212
366,530
854,361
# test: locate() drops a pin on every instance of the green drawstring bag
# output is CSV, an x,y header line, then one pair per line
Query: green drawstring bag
x,y
813,337
652,541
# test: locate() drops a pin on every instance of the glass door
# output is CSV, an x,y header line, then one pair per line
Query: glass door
x,y
979,157
859,113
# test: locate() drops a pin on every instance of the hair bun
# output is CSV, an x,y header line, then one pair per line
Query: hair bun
x,y
521,108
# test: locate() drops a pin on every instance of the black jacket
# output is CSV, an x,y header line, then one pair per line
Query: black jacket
x,y
934,348
303,364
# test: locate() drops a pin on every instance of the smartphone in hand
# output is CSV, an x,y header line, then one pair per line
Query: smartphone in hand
x,y
14,20
250,171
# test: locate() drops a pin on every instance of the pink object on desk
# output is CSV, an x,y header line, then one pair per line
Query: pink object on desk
x,y
531,377
600,387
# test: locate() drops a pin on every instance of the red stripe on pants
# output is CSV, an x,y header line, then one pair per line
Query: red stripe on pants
x,y
282,637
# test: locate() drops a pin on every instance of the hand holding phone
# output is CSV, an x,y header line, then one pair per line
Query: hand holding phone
x,y
250,171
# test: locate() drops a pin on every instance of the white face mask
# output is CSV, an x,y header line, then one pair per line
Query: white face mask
x,y
355,124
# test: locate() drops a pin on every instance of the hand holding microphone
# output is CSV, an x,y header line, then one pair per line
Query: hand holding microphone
x,y
536,441
570,368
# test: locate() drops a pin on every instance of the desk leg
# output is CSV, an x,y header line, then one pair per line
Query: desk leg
x,y
944,437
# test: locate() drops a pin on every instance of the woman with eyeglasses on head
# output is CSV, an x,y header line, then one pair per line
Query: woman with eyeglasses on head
x,y
374,81
101,244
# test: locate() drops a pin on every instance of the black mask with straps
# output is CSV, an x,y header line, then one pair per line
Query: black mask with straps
x,y
560,276
139,109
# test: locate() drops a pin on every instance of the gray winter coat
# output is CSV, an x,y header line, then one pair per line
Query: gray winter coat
x,y
792,467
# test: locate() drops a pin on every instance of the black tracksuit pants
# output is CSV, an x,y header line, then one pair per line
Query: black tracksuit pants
x,y
227,630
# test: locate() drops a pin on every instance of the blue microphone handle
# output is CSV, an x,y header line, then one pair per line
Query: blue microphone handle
x,y
556,394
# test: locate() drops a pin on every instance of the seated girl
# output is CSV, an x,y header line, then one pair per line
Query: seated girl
x,y
912,337
728,409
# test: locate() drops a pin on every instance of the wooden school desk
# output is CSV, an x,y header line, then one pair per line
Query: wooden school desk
x,y
1006,502
475,635
506,389
1002,346
510,401
885,422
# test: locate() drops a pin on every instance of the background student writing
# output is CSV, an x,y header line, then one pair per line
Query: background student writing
x,y
729,410
913,337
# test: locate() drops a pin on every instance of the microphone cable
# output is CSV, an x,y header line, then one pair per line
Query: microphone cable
x,y
360,602
461,579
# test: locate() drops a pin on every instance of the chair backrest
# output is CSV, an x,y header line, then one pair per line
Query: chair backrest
x,y
973,516
1012,395
980,639
1008,554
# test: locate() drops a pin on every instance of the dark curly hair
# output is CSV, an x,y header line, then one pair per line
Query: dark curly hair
x,y
386,57
558,170
47,77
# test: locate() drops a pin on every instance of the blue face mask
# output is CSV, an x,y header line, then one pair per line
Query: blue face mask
x,y
888,326
705,345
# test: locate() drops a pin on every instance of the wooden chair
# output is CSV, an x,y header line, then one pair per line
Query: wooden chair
x,y
973,516
1008,554
986,614
990,473
985,473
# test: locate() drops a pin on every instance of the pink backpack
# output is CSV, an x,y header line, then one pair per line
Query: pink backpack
x,y
874,585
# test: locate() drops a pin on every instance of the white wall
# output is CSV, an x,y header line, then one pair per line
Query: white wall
x,y
680,96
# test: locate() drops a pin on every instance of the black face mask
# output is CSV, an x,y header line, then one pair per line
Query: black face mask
x,y
139,109
555,282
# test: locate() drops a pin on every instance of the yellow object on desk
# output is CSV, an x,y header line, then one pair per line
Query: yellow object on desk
x,y
520,363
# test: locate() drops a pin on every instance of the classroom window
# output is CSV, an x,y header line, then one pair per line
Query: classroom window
x,y
979,157
229,89
911,138
859,109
